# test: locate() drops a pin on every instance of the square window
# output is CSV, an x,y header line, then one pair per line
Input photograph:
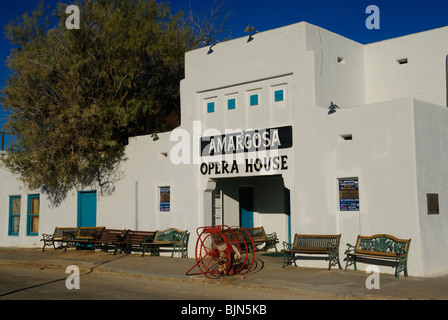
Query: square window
x,y
231,104
253,100
278,95
210,107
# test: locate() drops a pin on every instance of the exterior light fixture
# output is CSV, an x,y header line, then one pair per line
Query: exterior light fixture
x,y
154,136
252,30
332,108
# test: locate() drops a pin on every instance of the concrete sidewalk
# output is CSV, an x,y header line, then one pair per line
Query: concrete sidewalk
x,y
268,274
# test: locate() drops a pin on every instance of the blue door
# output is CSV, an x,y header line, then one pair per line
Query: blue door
x,y
246,196
87,209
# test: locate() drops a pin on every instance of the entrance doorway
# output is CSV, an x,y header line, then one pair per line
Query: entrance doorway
x,y
246,197
250,202
87,209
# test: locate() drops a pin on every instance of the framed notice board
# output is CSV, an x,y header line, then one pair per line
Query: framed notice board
x,y
164,199
348,194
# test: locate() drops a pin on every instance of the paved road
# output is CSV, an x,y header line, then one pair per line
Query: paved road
x,y
27,283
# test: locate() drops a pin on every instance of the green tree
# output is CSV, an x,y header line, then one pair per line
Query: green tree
x,y
75,96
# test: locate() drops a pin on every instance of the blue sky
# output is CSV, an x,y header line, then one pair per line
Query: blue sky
x,y
344,17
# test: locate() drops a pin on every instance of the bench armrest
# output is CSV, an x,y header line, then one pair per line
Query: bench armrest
x,y
350,248
287,246
46,237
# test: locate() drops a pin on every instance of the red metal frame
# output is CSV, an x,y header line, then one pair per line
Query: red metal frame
x,y
221,250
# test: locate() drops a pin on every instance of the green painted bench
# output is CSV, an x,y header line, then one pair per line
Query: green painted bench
x,y
260,237
169,240
381,247
322,244
61,235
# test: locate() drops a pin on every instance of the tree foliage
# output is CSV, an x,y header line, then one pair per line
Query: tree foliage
x,y
75,96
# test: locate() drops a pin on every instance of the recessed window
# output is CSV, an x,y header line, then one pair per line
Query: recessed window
x,y
231,104
432,200
345,137
33,215
210,107
14,215
402,61
278,95
253,100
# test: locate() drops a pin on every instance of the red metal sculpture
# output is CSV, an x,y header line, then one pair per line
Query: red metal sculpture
x,y
223,250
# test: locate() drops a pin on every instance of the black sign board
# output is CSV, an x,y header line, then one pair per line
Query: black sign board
x,y
253,140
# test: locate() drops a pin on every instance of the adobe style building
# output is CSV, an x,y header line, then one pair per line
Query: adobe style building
x,y
259,146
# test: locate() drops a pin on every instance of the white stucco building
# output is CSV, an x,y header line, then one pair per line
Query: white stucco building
x,y
387,142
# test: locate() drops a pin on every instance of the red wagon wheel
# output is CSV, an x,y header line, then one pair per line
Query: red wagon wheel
x,y
221,250
213,253
243,244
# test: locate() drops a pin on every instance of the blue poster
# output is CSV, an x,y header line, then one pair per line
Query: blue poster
x,y
165,199
348,195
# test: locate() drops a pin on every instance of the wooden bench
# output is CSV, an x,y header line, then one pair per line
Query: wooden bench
x,y
87,236
133,240
380,247
109,238
327,244
169,240
61,235
260,237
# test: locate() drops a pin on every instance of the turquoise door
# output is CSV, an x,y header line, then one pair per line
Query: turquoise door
x,y
246,196
87,209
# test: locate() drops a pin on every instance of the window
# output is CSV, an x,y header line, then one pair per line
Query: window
x,y
14,215
278,95
231,104
33,215
253,100
345,137
164,199
348,194
432,200
210,107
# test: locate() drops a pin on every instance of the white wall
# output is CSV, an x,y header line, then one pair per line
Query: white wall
x,y
431,135
423,77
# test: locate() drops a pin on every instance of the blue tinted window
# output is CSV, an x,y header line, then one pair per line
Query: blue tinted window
x,y
254,100
231,104
278,95
210,107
